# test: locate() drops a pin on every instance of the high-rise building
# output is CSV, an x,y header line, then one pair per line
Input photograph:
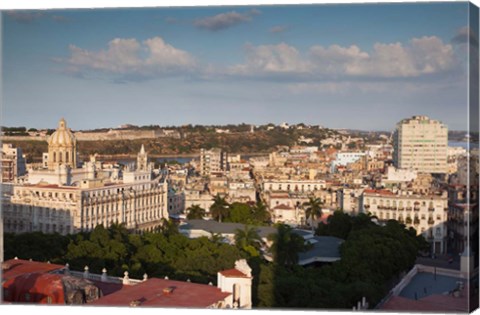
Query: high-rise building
x,y
420,144
213,161
13,163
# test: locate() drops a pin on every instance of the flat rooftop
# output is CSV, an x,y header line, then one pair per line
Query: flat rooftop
x,y
424,284
224,227
325,249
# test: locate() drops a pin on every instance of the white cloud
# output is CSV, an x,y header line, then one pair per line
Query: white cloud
x,y
271,59
421,56
224,20
164,55
130,57
278,29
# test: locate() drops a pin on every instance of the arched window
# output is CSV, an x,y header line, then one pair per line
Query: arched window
x,y
60,157
54,157
66,157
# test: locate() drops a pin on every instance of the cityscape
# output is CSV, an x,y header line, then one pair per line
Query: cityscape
x,y
189,161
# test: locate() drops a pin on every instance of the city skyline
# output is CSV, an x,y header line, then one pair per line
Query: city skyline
x,y
237,64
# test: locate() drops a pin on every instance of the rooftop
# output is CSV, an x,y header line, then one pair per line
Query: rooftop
x,y
325,249
164,293
233,273
426,284
16,267
431,289
223,228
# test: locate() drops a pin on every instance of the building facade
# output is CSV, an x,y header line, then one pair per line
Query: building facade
x,y
426,213
65,199
421,144
13,163
213,161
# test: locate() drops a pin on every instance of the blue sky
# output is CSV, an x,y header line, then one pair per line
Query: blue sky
x,y
337,65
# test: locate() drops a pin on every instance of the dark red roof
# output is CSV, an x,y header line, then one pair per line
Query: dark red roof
x,y
434,303
15,267
233,273
108,287
39,288
379,191
283,207
152,293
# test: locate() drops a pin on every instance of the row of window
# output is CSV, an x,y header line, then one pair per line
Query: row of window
x,y
21,226
400,203
60,157
387,216
44,194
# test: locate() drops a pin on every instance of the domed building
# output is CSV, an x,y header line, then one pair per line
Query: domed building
x,y
62,147
65,196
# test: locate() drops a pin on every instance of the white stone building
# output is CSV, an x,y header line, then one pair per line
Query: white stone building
x,y
426,213
213,161
13,163
291,185
69,200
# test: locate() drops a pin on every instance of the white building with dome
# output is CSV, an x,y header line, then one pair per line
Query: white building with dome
x,y
64,198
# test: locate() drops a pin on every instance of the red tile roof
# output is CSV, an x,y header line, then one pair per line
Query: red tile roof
x,y
379,191
151,293
282,207
433,303
35,288
233,273
15,267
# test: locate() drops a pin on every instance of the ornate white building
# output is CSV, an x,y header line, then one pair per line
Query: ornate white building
x,y
65,199
426,213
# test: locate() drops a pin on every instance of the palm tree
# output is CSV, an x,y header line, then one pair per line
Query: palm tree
x,y
313,209
216,238
195,212
248,239
260,212
286,245
219,208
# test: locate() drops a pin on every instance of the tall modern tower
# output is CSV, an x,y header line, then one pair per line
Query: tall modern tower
x,y
420,144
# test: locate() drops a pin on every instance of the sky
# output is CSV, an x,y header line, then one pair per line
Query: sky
x,y
337,65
